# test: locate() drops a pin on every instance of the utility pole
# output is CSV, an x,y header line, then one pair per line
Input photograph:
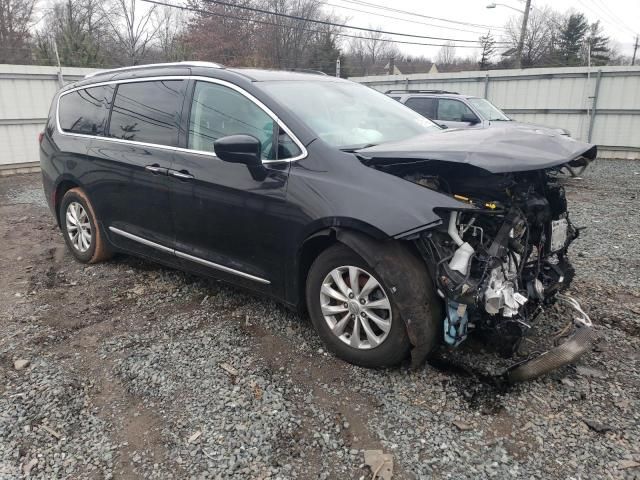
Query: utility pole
x,y
338,67
635,49
523,32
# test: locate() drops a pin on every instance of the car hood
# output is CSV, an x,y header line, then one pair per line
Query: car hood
x,y
517,124
497,150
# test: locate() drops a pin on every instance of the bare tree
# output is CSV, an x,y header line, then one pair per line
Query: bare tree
x,y
370,52
15,21
235,35
133,31
540,37
292,40
170,26
223,33
446,56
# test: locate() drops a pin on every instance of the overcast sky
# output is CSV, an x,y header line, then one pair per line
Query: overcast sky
x,y
619,18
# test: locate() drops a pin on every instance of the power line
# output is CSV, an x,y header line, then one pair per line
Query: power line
x,y
399,18
333,24
414,14
598,14
294,27
617,20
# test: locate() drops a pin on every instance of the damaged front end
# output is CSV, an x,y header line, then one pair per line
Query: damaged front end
x,y
497,266
501,258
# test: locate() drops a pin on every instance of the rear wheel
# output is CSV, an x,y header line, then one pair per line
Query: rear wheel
x,y
352,311
80,228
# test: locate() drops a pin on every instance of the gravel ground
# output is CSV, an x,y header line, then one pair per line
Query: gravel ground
x,y
138,371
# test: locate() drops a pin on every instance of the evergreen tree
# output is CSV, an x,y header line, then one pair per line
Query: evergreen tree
x,y
75,27
323,54
488,50
571,39
596,45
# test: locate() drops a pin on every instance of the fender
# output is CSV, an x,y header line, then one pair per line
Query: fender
x,y
53,195
412,288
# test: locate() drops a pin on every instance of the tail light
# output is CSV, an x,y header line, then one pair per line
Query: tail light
x,y
40,136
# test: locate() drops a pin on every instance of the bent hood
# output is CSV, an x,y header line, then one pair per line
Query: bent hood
x,y
497,150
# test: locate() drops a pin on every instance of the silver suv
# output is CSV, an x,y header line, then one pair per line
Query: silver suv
x,y
453,110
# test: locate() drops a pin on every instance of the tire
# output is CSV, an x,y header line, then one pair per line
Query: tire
x,y
76,204
393,346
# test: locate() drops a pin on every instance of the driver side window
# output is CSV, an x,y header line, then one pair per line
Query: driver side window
x,y
218,111
452,110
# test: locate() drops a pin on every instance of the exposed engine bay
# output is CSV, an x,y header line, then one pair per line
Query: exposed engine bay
x,y
497,264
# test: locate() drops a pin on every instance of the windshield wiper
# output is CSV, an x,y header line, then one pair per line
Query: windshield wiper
x,y
353,148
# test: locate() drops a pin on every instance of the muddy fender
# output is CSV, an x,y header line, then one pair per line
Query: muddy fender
x,y
411,286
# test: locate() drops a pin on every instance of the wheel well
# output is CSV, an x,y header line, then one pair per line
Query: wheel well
x,y
311,248
62,188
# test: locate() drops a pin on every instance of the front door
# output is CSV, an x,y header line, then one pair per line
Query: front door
x,y
229,220
132,165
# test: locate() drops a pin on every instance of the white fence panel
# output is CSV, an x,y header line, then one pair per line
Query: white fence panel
x,y
26,92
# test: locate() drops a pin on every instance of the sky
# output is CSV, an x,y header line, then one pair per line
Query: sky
x,y
620,19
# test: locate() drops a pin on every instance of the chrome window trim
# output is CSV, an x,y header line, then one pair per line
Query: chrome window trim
x,y
217,81
186,256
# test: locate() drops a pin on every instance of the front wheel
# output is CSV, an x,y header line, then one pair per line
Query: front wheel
x,y
352,311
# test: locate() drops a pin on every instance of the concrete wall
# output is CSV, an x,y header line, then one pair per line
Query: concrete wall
x,y
26,92
560,97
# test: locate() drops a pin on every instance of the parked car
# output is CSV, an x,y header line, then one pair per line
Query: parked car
x,y
453,110
321,193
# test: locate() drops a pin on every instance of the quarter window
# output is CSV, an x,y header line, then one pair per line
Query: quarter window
x,y
148,112
86,111
218,111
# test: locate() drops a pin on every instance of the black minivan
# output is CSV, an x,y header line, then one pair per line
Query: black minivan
x,y
329,196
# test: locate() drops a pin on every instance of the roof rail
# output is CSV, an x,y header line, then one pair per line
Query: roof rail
x,y
306,70
421,91
150,65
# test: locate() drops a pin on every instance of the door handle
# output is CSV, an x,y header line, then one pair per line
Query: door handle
x,y
182,175
156,169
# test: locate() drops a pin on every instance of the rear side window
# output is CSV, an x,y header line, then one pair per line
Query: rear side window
x,y
424,106
148,112
86,111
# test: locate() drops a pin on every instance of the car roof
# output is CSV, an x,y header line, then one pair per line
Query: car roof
x,y
207,69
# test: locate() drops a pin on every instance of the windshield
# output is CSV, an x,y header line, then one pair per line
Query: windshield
x,y
488,110
349,115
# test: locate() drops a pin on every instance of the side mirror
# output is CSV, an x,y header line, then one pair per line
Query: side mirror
x,y
469,118
239,149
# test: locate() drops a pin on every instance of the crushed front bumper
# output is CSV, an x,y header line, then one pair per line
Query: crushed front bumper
x,y
578,343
